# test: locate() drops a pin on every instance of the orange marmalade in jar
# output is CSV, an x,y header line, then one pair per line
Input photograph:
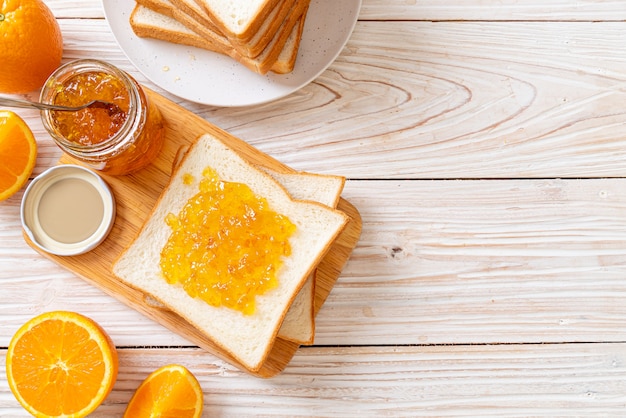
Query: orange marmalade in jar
x,y
118,138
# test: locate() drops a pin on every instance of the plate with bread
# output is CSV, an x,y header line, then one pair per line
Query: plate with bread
x,y
232,53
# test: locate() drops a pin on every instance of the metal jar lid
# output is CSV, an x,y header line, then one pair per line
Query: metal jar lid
x,y
51,232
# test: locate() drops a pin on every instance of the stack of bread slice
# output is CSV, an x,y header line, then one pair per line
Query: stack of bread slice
x,y
286,311
299,322
262,35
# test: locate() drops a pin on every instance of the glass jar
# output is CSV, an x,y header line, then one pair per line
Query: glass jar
x,y
115,140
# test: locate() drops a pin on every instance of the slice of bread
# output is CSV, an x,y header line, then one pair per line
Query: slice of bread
x,y
238,19
146,22
268,30
246,338
195,12
299,323
157,17
323,188
184,16
193,19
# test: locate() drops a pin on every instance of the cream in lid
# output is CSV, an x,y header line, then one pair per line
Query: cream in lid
x,y
67,210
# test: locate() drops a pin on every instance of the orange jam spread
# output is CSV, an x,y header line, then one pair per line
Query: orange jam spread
x,y
91,125
226,245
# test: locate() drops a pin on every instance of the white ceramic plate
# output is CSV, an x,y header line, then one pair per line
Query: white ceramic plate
x,y
210,78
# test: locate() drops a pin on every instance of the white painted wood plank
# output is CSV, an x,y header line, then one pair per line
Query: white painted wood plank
x,y
483,261
514,10
76,8
456,100
433,10
439,262
467,381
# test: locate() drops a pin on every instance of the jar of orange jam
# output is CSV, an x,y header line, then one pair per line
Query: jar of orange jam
x,y
115,139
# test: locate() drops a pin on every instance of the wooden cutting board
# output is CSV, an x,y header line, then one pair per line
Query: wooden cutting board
x,y
136,195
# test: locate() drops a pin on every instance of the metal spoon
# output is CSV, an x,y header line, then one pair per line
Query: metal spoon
x,y
112,108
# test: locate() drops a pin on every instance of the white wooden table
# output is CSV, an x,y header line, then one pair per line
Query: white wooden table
x,y
485,147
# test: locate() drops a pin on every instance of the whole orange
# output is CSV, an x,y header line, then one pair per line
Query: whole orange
x,y
31,45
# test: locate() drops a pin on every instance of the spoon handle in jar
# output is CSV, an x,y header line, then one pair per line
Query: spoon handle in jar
x,y
6,101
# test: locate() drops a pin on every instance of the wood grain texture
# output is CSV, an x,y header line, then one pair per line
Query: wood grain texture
x,y
452,100
483,261
448,262
430,10
458,100
466,381
511,10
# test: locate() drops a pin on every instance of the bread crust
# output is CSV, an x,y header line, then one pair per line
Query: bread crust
x,y
195,12
268,30
299,323
247,32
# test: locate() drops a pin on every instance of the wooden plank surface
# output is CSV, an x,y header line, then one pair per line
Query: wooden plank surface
x,y
452,262
511,10
484,146
454,100
467,381
551,10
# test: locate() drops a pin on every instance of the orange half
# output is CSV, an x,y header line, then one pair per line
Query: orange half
x,y
61,364
18,153
171,391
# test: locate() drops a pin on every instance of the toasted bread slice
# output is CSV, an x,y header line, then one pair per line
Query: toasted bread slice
x,y
246,338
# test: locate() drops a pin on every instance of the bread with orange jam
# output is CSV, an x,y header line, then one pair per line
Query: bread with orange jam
x,y
299,323
247,339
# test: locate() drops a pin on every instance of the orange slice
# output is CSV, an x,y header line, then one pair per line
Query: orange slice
x,y
171,391
18,153
61,364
